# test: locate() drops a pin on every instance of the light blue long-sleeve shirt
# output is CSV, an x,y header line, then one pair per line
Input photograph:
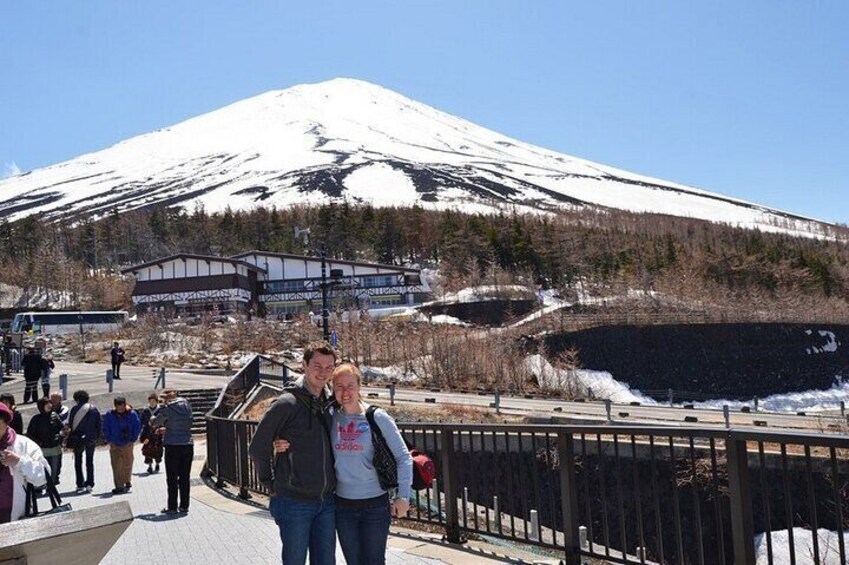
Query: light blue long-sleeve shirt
x,y
356,477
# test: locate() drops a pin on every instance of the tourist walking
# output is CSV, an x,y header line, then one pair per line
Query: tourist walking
x,y
121,427
17,422
151,441
374,471
21,462
117,355
176,418
31,364
47,366
303,482
83,430
46,430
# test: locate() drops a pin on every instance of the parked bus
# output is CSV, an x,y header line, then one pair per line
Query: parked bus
x,y
68,322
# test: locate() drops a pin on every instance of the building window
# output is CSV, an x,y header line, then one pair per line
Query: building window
x,y
284,286
379,280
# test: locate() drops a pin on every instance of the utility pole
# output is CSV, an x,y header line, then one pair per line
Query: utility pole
x,y
325,328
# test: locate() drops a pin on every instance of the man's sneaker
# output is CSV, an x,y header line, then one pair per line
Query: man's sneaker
x,y
157,468
168,511
183,510
82,490
150,469
119,490
88,489
127,487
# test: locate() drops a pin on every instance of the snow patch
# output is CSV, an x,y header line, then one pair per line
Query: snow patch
x,y
803,540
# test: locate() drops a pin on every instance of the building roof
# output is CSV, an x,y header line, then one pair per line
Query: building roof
x,y
329,260
207,258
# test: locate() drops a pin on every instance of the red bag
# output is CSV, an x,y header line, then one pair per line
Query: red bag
x,y
424,471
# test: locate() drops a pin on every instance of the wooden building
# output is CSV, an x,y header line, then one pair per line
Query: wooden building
x,y
268,283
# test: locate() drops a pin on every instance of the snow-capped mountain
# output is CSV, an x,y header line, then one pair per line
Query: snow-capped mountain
x,y
349,139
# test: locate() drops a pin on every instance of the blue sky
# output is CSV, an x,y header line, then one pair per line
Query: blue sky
x,y
749,99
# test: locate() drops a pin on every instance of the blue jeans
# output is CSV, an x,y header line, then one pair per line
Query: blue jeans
x,y
363,532
306,525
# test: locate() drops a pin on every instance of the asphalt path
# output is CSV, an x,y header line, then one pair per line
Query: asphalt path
x,y
596,412
138,381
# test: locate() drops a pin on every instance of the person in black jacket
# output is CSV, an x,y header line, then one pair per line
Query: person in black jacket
x,y
32,374
17,422
84,428
302,481
45,429
117,355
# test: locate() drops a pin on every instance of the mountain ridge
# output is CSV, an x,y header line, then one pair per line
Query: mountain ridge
x,y
347,139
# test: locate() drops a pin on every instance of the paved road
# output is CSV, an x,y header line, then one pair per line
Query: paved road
x,y
596,411
91,376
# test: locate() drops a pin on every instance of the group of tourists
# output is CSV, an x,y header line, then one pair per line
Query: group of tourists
x,y
334,465
34,458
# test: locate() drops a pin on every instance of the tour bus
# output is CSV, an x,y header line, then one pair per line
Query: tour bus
x,y
68,322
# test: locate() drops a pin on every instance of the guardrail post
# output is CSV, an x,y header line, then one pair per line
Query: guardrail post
x,y
449,487
569,496
742,522
109,379
497,401
727,415
63,385
608,407
671,394
756,403
842,408
392,394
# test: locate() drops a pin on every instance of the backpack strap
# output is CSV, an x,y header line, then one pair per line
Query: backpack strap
x,y
372,423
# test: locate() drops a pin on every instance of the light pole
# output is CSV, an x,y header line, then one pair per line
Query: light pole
x,y
325,329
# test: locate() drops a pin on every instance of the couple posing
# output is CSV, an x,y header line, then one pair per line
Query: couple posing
x,y
317,460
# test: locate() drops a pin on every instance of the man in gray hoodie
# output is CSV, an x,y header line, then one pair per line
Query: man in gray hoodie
x,y
175,421
302,480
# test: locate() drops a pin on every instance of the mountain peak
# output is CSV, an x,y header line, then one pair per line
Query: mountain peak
x,y
349,139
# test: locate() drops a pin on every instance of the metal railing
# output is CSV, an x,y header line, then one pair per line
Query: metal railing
x,y
636,494
258,370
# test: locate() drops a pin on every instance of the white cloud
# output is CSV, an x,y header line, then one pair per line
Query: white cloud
x,y
10,170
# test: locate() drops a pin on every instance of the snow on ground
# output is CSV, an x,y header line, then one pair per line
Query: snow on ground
x,y
807,401
600,383
36,299
829,552
485,292
445,319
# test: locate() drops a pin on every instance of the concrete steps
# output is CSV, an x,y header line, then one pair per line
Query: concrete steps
x,y
202,401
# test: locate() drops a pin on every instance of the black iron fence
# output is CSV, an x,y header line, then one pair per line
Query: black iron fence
x,y
258,370
636,494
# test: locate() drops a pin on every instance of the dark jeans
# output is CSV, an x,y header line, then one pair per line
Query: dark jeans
x,y
363,530
303,526
55,462
31,390
88,449
116,370
178,466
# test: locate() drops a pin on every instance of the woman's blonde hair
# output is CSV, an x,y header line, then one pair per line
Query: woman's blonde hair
x,y
346,369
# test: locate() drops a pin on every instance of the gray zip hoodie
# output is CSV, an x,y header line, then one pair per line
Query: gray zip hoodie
x,y
305,471
176,416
